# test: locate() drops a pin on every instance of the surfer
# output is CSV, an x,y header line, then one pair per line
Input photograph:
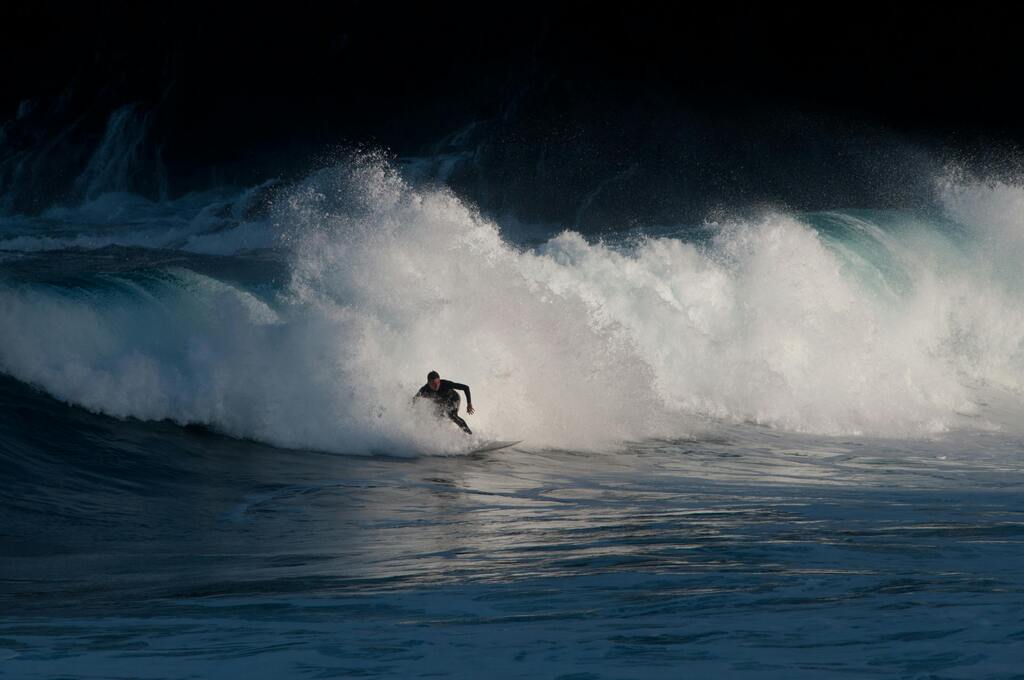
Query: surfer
x,y
443,394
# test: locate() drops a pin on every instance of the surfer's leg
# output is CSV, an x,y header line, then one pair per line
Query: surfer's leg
x,y
454,415
452,408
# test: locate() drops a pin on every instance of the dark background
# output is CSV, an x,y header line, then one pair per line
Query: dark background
x,y
584,113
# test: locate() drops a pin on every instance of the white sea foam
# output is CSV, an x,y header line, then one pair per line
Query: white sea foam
x,y
868,329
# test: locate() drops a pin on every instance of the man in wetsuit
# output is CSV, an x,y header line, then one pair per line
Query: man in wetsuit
x,y
444,396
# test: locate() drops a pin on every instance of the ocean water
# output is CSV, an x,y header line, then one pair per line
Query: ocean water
x,y
787,445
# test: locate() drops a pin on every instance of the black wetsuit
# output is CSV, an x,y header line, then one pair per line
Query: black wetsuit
x,y
447,400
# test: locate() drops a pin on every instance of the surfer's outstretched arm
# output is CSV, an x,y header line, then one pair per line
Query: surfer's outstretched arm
x,y
469,397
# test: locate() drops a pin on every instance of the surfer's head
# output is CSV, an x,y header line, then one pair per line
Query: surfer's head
x,y
434,380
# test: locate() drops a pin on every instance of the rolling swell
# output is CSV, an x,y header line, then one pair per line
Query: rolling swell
x,y
73,473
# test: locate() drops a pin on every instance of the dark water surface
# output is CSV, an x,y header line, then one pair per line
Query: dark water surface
x,y
151,551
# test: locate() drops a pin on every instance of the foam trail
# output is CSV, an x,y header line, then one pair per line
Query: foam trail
x,y
220,222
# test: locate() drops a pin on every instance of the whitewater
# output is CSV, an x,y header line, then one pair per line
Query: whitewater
x,y
773,444
838,322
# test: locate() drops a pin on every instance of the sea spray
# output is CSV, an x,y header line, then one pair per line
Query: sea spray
x,y
844,322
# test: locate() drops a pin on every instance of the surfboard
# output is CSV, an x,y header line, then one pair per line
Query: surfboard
x,y
494,446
